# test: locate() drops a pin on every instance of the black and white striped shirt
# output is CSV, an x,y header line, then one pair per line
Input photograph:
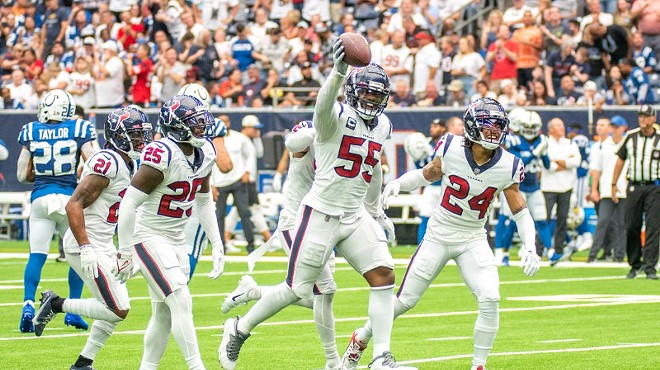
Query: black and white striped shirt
x,y
643,154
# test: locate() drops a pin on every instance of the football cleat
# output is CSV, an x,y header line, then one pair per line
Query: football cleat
x,y
387,361
240,295
505,261
45,312
76,321
353,353
230,346
26,325
555,258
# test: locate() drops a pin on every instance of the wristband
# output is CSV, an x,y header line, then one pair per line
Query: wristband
x,y
85,246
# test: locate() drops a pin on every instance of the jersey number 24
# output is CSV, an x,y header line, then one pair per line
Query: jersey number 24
x,y
460,189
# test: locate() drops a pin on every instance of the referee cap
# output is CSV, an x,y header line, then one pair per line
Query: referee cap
x,y
647,110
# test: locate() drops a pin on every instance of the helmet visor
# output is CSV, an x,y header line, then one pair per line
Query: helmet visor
x,y
140,137
199,123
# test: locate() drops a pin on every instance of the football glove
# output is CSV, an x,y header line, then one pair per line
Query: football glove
x,y
277,182
388,226
218,129
338,57
123,268
391,189
542,148
218,256
530,262
88,262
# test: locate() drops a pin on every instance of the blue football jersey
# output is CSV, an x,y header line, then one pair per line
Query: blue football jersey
x,y
523,149
55,149
426,160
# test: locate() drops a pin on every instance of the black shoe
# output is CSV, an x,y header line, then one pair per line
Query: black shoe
x,y
632,274
250,248
591,260
651,276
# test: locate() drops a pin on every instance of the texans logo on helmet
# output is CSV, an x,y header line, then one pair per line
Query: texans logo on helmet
x,y
171,106
121,118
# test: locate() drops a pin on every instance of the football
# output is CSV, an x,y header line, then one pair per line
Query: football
x,y
356,48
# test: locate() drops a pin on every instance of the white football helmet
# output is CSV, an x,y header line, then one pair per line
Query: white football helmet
x,y
198,91
417,146
514,118
58,105
530,125
575,218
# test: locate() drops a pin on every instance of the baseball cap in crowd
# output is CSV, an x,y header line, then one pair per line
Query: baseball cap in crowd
x,y
306,65
647,110
89,40
618,121
251,121
302,24
109,45
320,27
424,35
590,85
455,85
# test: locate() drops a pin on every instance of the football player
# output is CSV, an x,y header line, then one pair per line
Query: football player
x,y
474,169
174,173
347,148
196,240
88,244
52,148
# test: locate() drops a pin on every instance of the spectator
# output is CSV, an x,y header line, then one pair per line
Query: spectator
x,y
231,89
7,102
595,15
530,43
513,16
553,31
254,86
503,53
456,97
32,65
107,24
79,26
19,89
55,25
557,66
109,72
640,148
616,93
614,42
431,96
191,26
581,70
188,52
411,29
402,96
303,98
539,95
448,52
235,182
483,91
567,9
40,90
171,74
242,49
567,94
490,29
170,14
427,62
271,94
261,25
381,39
468,66
397,60
643,56
557,180
647,15
28,35
407,8
141,70
636,82
216,14
55,77
608,235
509,95
622,15
275,49
59,55
591,97
81,84
11,60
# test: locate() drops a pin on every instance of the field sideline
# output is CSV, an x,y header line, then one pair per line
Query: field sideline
x,y
574,316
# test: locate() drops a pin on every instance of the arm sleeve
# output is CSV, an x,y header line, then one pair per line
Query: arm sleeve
x,y
205,209
133,198
526,228
413,180
301,137
325,118
22,164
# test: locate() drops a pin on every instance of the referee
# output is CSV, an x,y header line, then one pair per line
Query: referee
x,y
642,150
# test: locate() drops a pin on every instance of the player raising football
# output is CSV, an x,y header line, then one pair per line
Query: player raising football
x,y
347,147
474,169
92,212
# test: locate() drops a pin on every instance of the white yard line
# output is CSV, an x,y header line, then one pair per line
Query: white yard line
x,y
559,340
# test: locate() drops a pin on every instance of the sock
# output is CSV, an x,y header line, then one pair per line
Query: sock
x,y
183,328
32,275
381,315
89,307
421,230
83,361
272,302
156,336
485,330
98,335
75,284
543,229
365,334
324,319
193,264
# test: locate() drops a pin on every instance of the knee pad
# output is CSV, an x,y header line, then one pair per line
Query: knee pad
x,y
105,326
326,286
303,290
488,307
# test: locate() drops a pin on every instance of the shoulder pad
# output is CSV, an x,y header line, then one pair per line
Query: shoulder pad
x,y
26,134
104,163
157,155
84,130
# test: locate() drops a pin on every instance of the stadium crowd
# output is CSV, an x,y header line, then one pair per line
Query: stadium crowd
x,y
251,53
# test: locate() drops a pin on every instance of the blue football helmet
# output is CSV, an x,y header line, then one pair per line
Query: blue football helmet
x,y
486,123
367,91
184,119
128,130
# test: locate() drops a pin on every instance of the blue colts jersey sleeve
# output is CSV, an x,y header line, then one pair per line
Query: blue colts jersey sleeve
x,y
55,149
523,149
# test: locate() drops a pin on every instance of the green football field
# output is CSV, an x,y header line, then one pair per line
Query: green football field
x,y
574,316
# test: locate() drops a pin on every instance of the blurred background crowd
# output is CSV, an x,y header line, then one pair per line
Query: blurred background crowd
x,y
255,53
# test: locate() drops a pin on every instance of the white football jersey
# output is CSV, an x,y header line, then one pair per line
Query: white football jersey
x,y
299,178
101,216
468,189
345,162
168,207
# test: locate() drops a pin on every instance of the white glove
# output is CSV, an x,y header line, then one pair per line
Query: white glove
x,y
542,148
338,57
388,226
88,262
218,255
277,182
392,188
123,268
530,262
